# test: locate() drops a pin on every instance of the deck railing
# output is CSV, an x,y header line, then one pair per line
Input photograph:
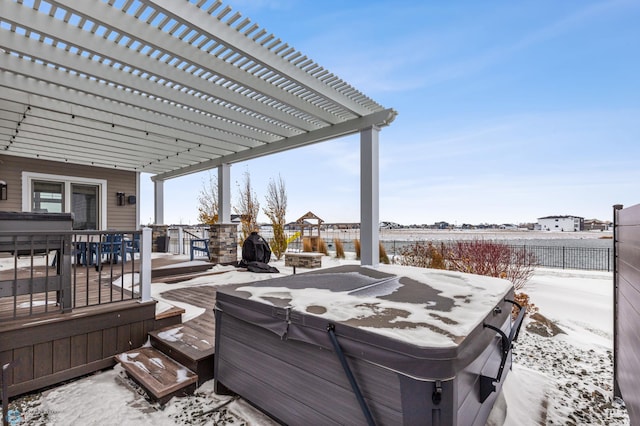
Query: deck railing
x,y
51,272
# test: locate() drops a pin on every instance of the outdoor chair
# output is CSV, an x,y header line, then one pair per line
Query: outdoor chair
x,y
112,248
132,246
199,246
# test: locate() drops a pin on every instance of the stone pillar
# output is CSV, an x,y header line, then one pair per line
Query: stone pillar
x,y
160,238
223,243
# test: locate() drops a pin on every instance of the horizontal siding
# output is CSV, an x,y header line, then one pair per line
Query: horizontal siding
x,y
628,234
247,357
627,333
629,216
118,217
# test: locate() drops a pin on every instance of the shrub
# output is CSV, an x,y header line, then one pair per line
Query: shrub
x,y
492,259
383,254
356,244
523,300
339,248
322,247
423,255
476,257
306,245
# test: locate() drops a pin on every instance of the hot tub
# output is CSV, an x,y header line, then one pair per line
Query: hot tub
x,y
356,345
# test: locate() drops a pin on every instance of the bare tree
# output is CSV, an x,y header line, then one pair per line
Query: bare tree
x,y
248,207
208,202
276,211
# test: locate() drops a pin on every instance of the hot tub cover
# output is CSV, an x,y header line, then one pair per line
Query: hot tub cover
x,y
395,316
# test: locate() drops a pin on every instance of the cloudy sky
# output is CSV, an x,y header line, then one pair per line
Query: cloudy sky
x,y
507,111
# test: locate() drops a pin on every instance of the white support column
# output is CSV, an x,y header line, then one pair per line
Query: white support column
x,y
224,193
369,197
145,265
158,202
138,200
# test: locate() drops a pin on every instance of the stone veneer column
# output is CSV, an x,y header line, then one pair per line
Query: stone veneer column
x,y
223,243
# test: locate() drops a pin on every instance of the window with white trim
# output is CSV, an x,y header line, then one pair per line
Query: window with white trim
x,y
84,197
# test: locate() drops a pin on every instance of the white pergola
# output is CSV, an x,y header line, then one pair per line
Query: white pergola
x,y
170,88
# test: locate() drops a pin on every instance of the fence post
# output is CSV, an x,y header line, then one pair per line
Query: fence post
x,y
616,387
562,257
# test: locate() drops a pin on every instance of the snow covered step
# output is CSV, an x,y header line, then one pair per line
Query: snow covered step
x,y
190,345
159,375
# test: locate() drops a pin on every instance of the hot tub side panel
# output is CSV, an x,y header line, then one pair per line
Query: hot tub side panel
x,y
298,383
290,370
471,409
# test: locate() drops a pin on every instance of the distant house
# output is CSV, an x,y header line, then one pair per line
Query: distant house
x,y
596,225
561,223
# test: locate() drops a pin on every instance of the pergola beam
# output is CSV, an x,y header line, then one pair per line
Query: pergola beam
x,y
380,118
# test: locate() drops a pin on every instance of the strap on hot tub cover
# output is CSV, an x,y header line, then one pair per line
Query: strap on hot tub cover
x,y
487,386
331,329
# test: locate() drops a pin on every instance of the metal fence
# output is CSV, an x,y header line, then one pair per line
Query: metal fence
x,y
564,257
584,258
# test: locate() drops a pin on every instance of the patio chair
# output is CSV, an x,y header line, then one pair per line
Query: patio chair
x,y
132,246
112,247
199,246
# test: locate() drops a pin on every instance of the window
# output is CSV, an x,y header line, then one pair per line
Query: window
x,y
83,197
48,197
84,205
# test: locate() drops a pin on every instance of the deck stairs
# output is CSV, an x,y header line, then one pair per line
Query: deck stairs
x,y
175,360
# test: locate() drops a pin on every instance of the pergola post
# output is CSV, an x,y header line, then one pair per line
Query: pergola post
x,y
138,192
158,202
369,197
145,265
224,193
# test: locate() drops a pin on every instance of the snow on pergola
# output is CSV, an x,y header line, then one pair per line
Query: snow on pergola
x,y
168,88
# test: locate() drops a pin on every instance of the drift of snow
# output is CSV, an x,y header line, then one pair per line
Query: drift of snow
x,y
566,379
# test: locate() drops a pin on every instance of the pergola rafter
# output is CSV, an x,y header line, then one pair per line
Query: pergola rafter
x,y
162,86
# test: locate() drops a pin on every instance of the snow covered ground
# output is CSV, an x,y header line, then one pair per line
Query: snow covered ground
x,y
565,379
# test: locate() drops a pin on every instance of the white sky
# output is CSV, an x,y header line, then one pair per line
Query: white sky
x,y
507,111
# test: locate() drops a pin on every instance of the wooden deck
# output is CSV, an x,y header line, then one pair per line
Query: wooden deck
x,y
45,346
90,287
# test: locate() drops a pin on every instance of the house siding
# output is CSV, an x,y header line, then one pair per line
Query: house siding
x,y
561,223
118,217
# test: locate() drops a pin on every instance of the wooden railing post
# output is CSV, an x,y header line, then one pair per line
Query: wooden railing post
x,y
66,300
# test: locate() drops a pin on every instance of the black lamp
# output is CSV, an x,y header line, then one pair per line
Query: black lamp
x,y
3,190
120,196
